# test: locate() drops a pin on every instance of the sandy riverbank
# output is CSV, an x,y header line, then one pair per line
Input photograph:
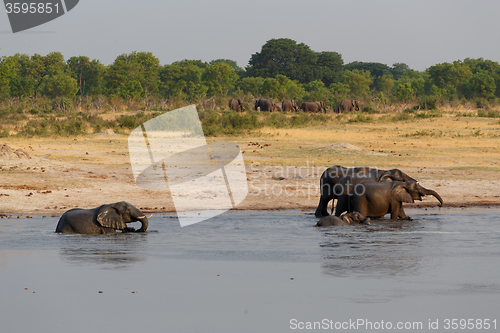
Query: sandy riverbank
x,y
283,166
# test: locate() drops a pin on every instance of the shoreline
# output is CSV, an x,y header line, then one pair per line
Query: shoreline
x,y
310,211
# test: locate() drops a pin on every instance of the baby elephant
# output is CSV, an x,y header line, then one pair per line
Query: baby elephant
x,y
346,219
105,219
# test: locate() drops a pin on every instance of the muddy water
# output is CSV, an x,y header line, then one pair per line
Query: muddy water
x,y
253,271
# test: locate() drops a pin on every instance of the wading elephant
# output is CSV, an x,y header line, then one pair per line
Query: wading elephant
x,y
105,219
264,105
349,105
346,219
379,199
313,106
289,105
332,187
236,104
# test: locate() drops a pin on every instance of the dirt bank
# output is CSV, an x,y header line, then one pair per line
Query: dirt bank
x,y
49,176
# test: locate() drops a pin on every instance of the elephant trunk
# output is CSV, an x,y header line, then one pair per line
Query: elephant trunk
x,y
144,220
436,195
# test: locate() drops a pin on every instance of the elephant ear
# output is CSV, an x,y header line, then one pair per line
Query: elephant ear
x,y
347,219
386,176
400,193
108,217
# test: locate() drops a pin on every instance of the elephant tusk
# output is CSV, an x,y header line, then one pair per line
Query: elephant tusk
x,y
149,216
141,217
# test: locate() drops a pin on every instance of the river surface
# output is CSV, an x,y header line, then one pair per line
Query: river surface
x,y
255,271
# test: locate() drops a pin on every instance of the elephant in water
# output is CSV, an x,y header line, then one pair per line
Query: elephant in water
x,y
105,219
236,104
378,199
347,219
333,182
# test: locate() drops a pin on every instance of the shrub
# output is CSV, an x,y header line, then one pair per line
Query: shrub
x,y
427,102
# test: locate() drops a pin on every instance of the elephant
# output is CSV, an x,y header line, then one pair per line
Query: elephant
x,y
289,105
349,105
105,219
346,219
277,107
332,186
378,199
313,106
236,104
336,109
264,105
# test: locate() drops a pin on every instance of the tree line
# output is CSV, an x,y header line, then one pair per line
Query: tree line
x,y
283,69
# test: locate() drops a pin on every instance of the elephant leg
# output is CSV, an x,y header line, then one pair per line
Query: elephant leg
x,y
322,209
342,205
395,209
360,204
403,216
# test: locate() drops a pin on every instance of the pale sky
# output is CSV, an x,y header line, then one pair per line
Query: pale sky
x,y
419,33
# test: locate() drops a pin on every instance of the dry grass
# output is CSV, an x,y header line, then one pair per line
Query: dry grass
x,y
459,157
450,143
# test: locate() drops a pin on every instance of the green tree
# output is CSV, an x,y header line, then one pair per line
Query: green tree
x,y
450,77
289,89
375,69
284,57
316,91
7,73
135,74
237,69
330,66
60,84
339,92
22,83
88,74
250,85
481,84
359,81
270,87
219,78
386,83
405,92
181,77
398,70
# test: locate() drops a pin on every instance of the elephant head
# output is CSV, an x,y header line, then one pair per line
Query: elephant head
x,y
355,218
116,216
395,175
355,104
411,191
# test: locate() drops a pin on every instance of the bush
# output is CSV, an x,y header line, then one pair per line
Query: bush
x,y
427,102
488,114
369,109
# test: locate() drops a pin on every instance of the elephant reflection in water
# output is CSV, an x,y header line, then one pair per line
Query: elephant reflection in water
x,y
379,250
112,251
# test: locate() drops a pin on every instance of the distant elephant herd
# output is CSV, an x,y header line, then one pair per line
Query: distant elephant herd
x,y
265,104
361,193
364,193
